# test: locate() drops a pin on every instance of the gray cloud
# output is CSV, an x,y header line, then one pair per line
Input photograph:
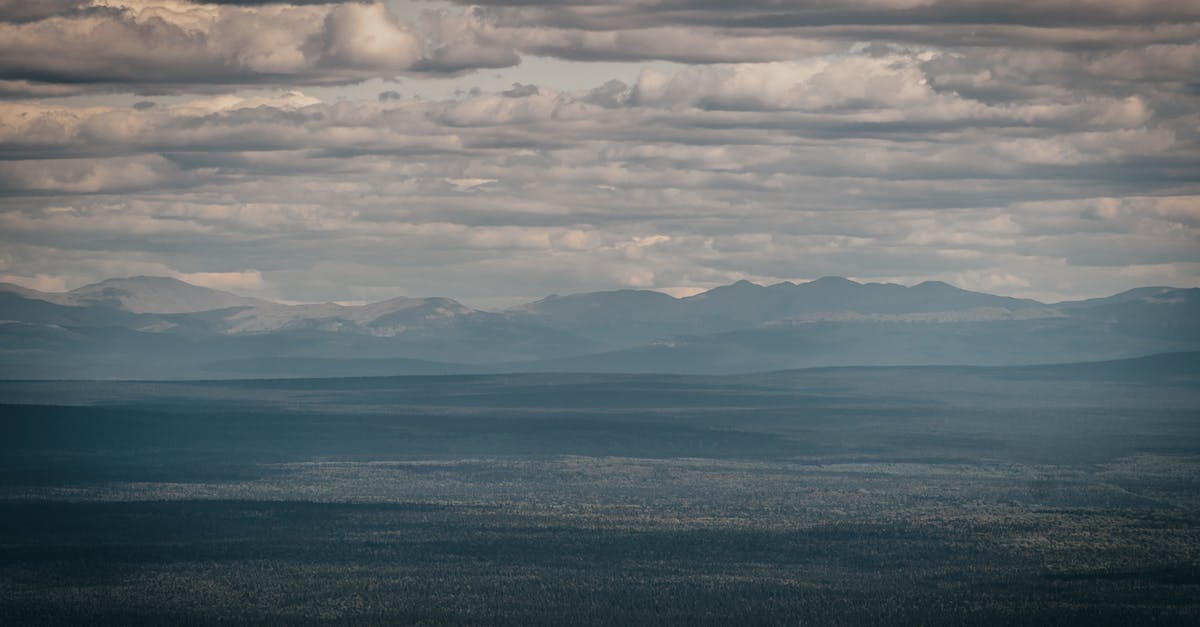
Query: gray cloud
x,y
774,14
849,165
141,46
1001,146
252,3
703,31
67,47
19,11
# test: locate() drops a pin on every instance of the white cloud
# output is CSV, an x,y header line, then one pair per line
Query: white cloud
x,y
468,184
1027,158
367,37
186,46
242,281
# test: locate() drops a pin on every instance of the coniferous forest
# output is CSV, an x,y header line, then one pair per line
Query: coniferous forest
x,y
1051,494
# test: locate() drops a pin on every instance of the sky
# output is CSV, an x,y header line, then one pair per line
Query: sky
x,y
497,152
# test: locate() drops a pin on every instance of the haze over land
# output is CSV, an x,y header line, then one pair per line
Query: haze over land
x,y
164,328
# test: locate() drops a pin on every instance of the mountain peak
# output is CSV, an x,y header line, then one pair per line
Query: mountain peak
x,y
740,287
834,280
141,279
157,294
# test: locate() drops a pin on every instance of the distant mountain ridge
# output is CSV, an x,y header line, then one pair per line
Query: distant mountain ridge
x,y
164,328
163,295
141,294
641,315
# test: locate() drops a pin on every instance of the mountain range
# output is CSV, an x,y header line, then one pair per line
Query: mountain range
x,y
164,328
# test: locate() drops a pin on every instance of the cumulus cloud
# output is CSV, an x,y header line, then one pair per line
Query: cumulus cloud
x,y
546,186
1042,149
366,37
823,83
173,45
62,47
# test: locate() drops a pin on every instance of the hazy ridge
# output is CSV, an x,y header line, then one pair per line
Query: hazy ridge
x,y
155,327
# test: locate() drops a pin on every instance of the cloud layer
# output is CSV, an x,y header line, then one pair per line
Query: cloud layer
x,y
176,46
1041,149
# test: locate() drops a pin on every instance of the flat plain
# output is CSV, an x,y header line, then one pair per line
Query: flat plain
x,y
935,495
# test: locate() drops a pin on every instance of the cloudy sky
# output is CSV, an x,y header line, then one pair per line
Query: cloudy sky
x,y
499,151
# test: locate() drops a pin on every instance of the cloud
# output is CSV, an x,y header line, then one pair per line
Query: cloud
x,y
1029,149
819,84
773,14
699,31
85,176
175,46
23,11
40,282
60,47
245,281
682,44
366,37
